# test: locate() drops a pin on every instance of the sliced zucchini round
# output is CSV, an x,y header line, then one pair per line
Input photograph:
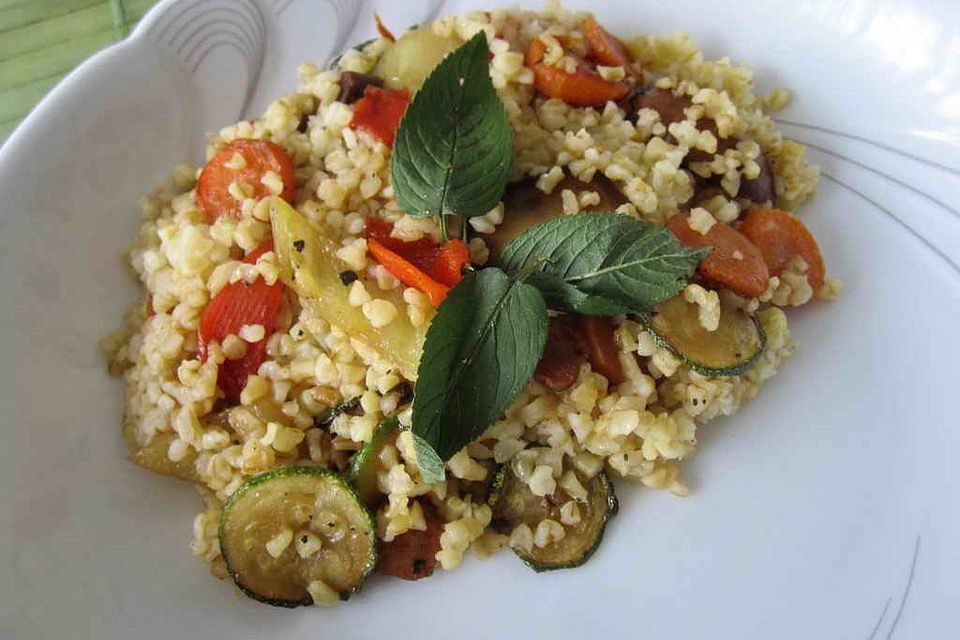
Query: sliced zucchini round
x,y
312,504
365,464
498,484
513,504
481,490
732,349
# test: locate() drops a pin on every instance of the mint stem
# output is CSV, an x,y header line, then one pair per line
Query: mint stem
x,y
530,267
442,220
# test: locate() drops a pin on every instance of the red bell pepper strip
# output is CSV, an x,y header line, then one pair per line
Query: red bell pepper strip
x,y
379,112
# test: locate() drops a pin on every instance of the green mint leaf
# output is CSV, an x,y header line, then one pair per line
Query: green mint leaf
x,y
562,296
431,466
480,352
602,263
454,146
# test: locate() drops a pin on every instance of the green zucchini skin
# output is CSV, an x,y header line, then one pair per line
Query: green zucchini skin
x,y
322,475
326,418
498,485
479,491
601,490
404,392
363,464
612,508
695,365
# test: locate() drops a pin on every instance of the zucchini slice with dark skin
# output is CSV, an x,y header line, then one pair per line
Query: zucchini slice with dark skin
x,y
480,490
497,485
513,503
732,349
307,501
403,392
365,464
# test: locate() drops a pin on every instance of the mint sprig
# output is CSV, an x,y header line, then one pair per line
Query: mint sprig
x,y
485,342
452,157
454,146
480,352
603,263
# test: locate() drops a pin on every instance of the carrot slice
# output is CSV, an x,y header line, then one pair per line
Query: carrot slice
x,y
408,273
734,262
780,236
382,29
256,158
535,52
603,354
420,253
443,263
234,306
413,555
379,112
582,88
604,47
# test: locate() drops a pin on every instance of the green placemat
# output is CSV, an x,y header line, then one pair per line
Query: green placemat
x,y
43,40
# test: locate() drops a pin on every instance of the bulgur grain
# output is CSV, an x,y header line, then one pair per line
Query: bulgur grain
x,y
638,430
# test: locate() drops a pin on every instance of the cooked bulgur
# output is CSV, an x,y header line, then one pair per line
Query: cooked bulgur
x,y
177,422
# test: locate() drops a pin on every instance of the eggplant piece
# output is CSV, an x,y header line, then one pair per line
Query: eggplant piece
x,y
525,205
353,84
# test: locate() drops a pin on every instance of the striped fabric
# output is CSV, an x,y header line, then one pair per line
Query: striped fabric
x,y
42,40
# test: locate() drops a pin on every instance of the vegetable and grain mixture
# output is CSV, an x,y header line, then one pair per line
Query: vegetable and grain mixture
x,y
439,297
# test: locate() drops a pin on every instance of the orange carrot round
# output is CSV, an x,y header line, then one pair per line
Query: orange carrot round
x,y
256,158
780,236
734,262
604,47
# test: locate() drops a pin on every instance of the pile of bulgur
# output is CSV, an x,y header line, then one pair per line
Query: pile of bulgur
x,y
639,430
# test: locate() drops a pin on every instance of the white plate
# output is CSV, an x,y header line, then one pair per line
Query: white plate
x,y
825,509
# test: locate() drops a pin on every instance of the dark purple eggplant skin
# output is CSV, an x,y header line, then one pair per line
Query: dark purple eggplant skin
x,y
663,101
353,84
760,189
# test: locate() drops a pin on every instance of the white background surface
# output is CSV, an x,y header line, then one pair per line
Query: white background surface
x,y
827,508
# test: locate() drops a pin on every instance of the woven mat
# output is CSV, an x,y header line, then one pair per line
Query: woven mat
x,y
43,40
